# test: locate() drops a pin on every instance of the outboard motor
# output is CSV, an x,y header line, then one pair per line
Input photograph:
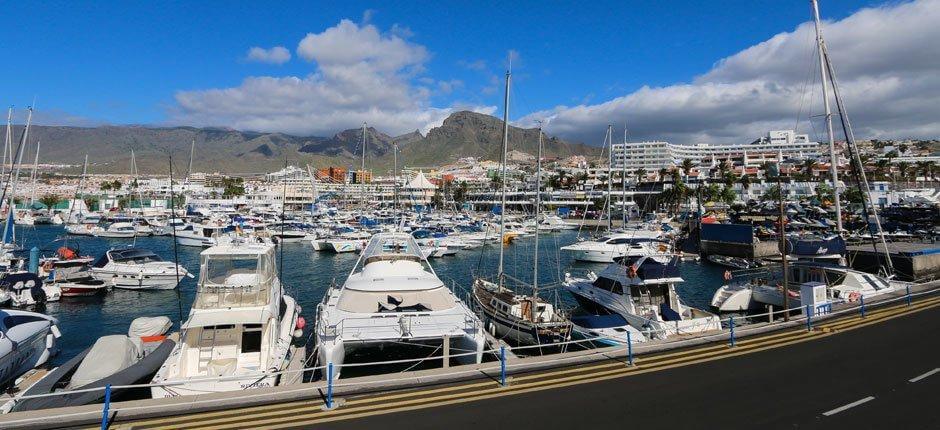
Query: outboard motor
x,y
39,295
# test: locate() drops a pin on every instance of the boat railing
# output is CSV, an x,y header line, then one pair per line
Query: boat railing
x,y
209,296
398,325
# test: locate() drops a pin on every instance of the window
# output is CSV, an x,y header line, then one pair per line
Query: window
x,y
218,269
609,285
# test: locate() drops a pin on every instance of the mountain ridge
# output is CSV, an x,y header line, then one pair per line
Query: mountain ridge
x,y
462,134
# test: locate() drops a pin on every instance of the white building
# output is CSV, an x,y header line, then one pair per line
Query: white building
x,y
655,155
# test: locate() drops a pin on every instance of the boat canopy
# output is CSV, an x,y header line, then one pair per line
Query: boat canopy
x,y
235,276
227,317
128,255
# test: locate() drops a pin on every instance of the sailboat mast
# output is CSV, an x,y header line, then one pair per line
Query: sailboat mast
x,y
313,184
623,179
7,143
362,169
609,138
853,152
395,172
824,79
192,153
538,205
32,189
502,177
19,157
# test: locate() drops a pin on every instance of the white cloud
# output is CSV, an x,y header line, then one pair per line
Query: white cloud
x,y
360,75
275,55
448,87
887,61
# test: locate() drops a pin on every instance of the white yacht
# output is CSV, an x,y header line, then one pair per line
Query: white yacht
x,y
637,243
116,230
240,329
28,341
391,297
642,290
199,235
137,269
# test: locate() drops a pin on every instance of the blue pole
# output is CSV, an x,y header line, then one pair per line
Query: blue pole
x,y
629,349
329,385
731,321
809,319
502,366
862,305
34,260
107,405
908,295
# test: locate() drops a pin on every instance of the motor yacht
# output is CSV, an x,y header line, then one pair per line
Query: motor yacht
x,y
643,291
240,329
137,269
637,243
24,289
202,235
116,230
28,341
393,296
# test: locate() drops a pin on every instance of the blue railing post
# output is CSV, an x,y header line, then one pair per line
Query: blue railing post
x,y
329,385
502,366
908,295
731,322
629,349
107,406
809,318
861,307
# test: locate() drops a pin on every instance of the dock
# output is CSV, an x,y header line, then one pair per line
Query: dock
x,y
913,261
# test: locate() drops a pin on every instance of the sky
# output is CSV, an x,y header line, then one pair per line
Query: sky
x,y
682,71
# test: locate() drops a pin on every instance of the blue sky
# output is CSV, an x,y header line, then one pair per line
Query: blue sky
x,y
127,62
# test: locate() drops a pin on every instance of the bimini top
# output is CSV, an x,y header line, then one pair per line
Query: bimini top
x,y
643,270
128,255
245,247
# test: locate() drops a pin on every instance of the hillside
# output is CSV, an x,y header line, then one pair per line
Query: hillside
x,y
109,148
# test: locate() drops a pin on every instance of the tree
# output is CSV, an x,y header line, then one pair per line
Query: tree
x,y
903,167
91,202
437,200
50,200
745,181
116,185
772,194
824,192
105,186
640,174
808,165
881,167
460,194
662,174
233,187
687,166
853,195
728,195
768,169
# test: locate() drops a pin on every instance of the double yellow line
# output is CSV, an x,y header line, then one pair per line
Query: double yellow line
x,y
308,413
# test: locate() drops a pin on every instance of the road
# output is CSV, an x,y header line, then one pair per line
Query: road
x,y
789,387
852,372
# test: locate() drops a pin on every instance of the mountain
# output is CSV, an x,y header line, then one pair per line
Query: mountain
x,y
109,148
471,134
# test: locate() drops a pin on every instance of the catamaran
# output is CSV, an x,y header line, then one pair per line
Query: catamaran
x,y
392,296
239,332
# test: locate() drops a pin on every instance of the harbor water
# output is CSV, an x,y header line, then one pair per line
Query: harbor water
x,y
306,275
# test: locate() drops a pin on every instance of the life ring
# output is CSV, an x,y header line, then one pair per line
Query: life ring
x,y
854,296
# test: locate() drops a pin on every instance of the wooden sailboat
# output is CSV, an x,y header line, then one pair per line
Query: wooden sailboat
x,y
518,318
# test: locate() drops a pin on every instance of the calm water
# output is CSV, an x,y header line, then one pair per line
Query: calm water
x,y
306,274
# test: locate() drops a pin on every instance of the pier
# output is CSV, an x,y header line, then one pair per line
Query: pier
x,y
913,261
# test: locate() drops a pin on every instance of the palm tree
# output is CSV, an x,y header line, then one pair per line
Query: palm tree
x,y
50,200
640,174
687,166
662,174
924,167
881,167
808,166
903,167
766,168
745,181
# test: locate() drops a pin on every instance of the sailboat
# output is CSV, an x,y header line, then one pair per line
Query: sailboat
x,y
522,319
842,284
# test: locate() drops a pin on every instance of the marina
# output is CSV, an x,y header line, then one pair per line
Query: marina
x,y
341,249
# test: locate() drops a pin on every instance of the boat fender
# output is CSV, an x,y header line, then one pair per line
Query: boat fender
x,y
298,333
301,323
50,340
854,296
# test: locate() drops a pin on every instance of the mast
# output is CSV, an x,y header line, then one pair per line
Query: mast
x,y
362,169
7,143
783,249
623,179
502,212
824,79
192,152
32,188
313,185
395,173
609,138
19,158
538,205
853,152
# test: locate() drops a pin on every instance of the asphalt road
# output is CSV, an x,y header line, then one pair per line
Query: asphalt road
x,y
806,385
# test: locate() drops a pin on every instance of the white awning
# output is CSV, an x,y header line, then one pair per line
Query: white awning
x,y
420,182
227,316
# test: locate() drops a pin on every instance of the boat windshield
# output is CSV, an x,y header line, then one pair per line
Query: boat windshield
x,y
234,281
